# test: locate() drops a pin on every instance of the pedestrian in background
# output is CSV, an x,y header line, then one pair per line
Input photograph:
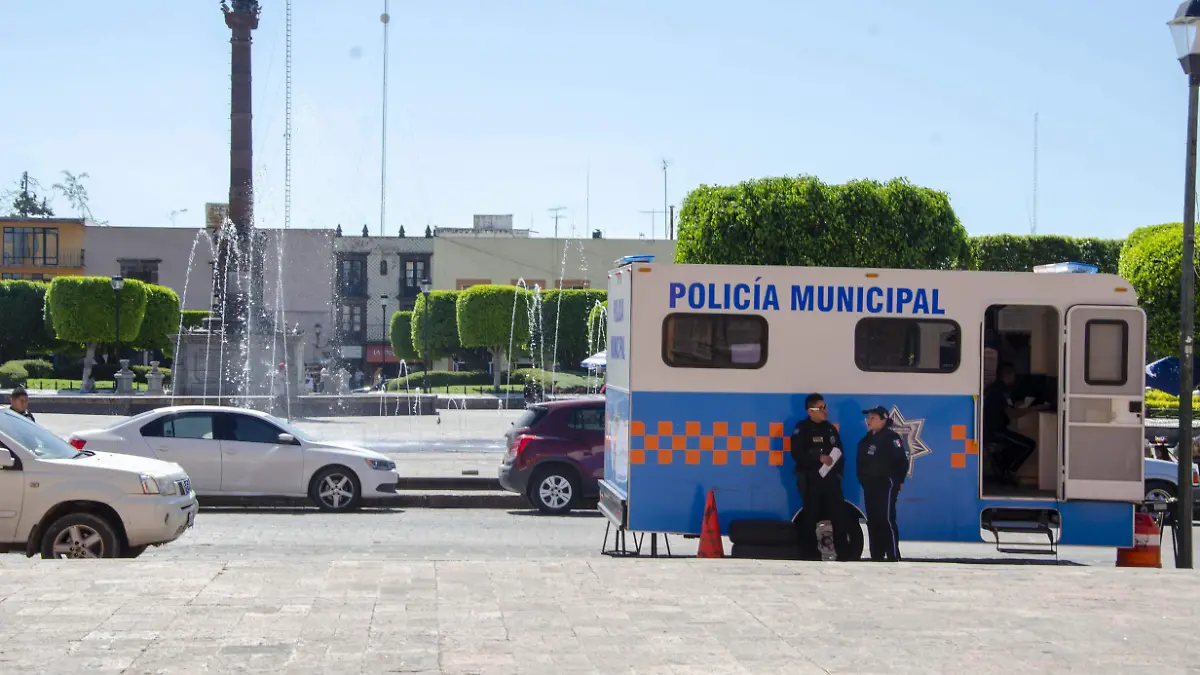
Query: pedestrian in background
x,y
881,465
18,402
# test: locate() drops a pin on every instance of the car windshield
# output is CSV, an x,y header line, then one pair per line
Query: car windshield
x,y
292,430
35,439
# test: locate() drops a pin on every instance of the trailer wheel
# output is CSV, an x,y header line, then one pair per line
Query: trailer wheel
x,y
755,532
759,552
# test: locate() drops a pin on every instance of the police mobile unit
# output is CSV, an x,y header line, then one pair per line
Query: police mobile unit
x,y
708,367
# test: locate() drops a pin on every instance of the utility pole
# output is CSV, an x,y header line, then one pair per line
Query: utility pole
x,y
384,18
556,214
664,211
671,220
653,214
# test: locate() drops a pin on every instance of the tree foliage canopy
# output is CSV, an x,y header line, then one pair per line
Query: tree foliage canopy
x,y
443,324
1020,253
83,309
802,221
23,327
571,324
160,324
400,336
486,316
1152,264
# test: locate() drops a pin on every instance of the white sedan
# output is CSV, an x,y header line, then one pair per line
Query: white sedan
x,y
234,452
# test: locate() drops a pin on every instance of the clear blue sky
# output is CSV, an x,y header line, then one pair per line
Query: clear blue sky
x,y
499,106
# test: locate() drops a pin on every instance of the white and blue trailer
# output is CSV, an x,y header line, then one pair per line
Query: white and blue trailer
x,y
708,367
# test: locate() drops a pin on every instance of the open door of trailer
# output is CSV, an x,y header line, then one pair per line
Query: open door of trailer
x,y
1104,380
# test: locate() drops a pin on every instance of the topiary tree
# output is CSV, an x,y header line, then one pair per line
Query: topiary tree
x,y
802,221
1140,233
194,318
598,326
83,310
565,324
494,317
1152,266
1020,253
400,335
23,328
443,325
160,325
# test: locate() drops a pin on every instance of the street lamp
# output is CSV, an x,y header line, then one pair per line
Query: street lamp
x,y
426,287
117,284
317,332
386,338
1183,30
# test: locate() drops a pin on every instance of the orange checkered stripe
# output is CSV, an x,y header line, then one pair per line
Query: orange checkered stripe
x,y
710,443
958,460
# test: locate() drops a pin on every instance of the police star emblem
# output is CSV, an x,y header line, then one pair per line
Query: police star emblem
x,y
910,431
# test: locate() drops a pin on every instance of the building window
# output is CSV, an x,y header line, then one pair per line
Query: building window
x,y
383,267
415,270
352,276
530,283
714,341
30,246
895,345
1106,352
142,270
13,276
353,322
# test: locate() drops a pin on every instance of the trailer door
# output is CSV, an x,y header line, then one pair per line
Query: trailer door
x,y
1104,349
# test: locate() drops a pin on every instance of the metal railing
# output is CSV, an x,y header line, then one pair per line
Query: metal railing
x,y
63,259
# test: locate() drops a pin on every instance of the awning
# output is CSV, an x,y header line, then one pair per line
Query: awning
x,y
595,361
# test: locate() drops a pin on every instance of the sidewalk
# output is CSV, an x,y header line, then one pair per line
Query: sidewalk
x,y
600,616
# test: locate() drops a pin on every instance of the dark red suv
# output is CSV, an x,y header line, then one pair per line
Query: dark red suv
x,y
556,454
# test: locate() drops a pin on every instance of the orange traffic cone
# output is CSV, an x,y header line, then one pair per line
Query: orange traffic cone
x,y
1146,551
711,545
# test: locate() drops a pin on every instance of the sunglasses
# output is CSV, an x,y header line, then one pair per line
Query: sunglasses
x,y
818,408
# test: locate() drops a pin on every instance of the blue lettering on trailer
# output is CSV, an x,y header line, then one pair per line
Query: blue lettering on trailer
x,y
806,298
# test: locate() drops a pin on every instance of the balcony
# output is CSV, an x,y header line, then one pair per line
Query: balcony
x,y
64,258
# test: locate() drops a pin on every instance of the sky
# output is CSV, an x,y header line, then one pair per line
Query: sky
x,y
518,106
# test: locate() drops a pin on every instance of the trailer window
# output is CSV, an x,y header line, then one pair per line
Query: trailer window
x,y
895,345
1106,352
714,341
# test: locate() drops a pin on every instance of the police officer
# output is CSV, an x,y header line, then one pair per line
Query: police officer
x,y
813,441
881,464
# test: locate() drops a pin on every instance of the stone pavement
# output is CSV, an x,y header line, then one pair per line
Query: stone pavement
x,y
596,616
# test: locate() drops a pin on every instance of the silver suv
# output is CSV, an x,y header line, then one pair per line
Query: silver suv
x,y
67,503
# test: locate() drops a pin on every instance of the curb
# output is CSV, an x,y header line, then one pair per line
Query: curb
x,y
413,500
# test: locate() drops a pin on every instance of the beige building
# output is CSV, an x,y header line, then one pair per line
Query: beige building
x,y
462,260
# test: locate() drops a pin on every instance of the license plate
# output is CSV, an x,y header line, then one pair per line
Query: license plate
x,y
191,518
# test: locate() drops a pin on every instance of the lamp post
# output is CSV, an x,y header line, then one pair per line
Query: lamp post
x,y
117,284
386,338
426,287
1183,30
317,332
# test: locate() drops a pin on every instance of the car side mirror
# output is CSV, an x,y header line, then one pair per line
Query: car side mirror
x,y
7,461
287,439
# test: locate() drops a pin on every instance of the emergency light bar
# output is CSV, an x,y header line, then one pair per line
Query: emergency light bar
x,y
1066,268
631,259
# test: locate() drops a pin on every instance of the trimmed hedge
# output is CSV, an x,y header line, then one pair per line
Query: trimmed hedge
x,y
572,328
1152,265
13,374
83,309
1020,253
193,318
400,336
140,373
441,378
24,327
36,368
160,324
443,324
564,382
493,316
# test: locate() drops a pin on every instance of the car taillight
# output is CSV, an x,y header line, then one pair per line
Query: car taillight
x,y
520,443
77,443
1195,476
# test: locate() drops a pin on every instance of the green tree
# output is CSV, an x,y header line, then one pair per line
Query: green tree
x,y
83,310
1153,266
24,200
24,328
802,221
1020,253
567,327
76,194
160,325
1146,230
598,325
495,317
400,335
443,324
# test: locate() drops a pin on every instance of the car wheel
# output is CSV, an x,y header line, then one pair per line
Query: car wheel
x,y
554,490
80,535
1159,491
336,489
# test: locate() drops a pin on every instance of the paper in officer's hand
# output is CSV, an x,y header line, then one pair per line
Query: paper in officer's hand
x,y
835,455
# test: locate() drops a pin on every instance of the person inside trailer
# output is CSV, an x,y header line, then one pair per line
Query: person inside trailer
x,y
1008,448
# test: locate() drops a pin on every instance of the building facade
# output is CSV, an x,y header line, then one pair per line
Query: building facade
x,y
39,249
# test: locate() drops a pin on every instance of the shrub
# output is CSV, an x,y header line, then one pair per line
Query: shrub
x,y
494,317
802,221
192,318
36,368
1020,253
160,324
443,324
572,327
21,305
140,373
441,378
564,382
400,336
1152,267
13,374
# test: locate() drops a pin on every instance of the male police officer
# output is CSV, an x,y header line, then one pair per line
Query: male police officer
x,y
881,465
813,441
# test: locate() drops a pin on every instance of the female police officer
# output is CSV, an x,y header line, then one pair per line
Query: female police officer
x,y
882,464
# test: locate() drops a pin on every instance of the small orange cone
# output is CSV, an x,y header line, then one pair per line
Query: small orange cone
x,y
711,545
1146,551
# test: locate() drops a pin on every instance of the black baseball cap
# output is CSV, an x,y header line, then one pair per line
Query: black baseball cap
x,y
878,410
